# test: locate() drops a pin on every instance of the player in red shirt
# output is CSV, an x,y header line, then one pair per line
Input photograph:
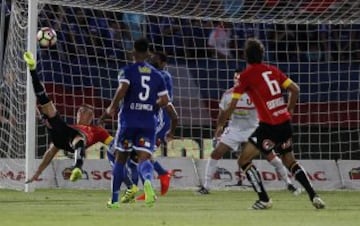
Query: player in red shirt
x,y
264,84
74,138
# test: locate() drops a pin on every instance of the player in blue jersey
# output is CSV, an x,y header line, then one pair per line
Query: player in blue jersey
x,y
167,122
143,91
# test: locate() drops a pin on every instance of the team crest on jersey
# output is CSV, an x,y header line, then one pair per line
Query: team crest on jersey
x,y
268,144
286,144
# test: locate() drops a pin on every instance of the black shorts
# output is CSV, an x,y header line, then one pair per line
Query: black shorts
x,y
273,137
61,134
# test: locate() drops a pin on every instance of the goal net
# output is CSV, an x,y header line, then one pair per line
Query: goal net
x,y
315,42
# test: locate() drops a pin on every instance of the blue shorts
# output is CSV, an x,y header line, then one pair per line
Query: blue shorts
x,y
138,139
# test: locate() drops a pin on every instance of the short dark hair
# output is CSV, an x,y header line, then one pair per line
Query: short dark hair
x,y
141,45
162,56
238,70
157,58
254,51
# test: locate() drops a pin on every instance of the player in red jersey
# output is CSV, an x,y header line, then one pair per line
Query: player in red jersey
x,y
264,84
74,138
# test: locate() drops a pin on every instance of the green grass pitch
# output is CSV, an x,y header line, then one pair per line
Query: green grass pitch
x,y
179,208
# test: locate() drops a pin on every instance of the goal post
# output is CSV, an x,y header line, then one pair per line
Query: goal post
x,y
30,141
317,43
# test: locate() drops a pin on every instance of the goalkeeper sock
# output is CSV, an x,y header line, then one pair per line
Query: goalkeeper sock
x,y
300,175
40,92
253,176
146,169
118,174
159,169
209,171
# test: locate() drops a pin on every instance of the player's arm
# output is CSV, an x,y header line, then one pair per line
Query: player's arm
x,y
220,123
170,109
48,156
231,107
119,95
163,100
294,91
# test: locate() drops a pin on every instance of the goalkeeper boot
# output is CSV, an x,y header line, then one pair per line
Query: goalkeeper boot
x,y
76,174
318,203
112,205
261,205
129,195
30,61
150,196
164,182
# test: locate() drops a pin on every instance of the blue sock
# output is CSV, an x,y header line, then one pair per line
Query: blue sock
x,y
159,169
146,169
132,166
118,174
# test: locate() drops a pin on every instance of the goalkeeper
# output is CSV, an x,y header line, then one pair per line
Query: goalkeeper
x,y
74,139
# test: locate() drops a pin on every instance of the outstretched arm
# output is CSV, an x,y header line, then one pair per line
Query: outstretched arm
x,y
119,95
49,155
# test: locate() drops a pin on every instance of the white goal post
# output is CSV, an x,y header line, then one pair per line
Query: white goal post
x,y
315,42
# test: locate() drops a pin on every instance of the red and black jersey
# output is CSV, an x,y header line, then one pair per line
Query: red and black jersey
x,y
264,84
93,134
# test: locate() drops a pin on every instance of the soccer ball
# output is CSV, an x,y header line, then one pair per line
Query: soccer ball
x,y
46,37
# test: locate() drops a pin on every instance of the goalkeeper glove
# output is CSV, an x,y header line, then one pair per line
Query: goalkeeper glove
x,y
30,61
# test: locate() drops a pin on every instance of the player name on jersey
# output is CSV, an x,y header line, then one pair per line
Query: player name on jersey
x,y
141,107
275,103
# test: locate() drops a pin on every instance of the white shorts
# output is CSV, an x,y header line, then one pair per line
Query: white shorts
x,y
233,137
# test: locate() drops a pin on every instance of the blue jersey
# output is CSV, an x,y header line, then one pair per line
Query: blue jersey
x,y
168,82
163,117
146,84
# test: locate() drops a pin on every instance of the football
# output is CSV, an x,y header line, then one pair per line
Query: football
x,y
46,37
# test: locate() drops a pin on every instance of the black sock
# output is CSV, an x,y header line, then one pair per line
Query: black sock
x,y
79,154
300,175
253,176
40,92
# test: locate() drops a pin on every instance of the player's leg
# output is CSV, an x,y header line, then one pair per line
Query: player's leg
x,y
219,151
284,131
121,148
249,152
132,165
145,145
131,179
164,175
300,175
132,189
229,140
47,106
78,145
276,162
118,176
